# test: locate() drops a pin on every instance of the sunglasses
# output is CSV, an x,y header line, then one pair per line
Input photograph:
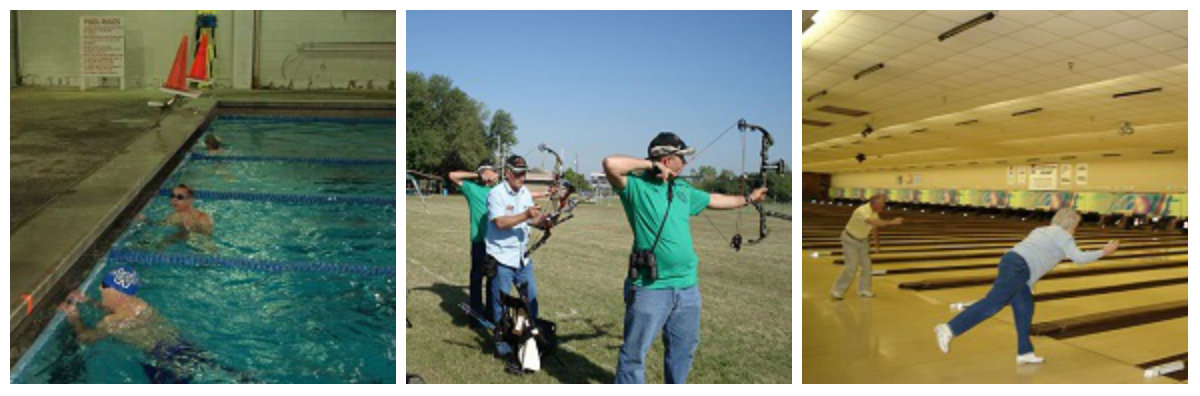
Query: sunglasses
x,y
179,197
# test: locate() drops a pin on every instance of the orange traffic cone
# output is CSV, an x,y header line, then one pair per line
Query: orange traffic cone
x,y
176,83
199,72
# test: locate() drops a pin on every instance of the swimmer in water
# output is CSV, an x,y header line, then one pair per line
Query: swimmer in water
x,y
187,218
133,321
212,144
186,215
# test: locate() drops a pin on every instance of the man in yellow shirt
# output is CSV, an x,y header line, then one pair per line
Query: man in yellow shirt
x,y
855,250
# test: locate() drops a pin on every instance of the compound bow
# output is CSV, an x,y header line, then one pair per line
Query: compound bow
x,y
765,165
560,198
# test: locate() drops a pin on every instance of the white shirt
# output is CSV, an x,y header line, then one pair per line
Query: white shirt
x,y
1046,246
508,246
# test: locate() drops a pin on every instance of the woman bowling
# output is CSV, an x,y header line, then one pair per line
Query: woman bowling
x,y
1019,269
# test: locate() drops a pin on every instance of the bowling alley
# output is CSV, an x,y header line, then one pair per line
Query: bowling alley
x,y
994,196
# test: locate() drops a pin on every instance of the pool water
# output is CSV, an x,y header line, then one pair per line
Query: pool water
x,y
316,304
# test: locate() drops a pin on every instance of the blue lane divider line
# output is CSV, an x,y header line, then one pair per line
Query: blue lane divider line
x,y
263,158
287,198
247,119
188,260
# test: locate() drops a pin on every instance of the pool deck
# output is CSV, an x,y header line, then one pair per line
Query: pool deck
x,y
78,160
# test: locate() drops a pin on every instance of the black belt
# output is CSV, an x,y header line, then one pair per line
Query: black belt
x,y
852,236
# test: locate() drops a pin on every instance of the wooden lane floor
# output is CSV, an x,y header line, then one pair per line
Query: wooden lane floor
x,y
958,245
889,338
947,241
907,254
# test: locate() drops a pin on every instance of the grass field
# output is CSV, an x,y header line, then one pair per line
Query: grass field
x,y
746,321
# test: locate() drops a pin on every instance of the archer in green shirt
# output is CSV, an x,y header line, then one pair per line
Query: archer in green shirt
x,y
476,194
662,226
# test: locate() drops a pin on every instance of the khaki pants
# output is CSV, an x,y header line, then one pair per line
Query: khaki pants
x,y
855,255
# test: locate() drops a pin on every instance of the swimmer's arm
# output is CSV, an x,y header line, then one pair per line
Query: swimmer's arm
x,y
84,334
206,225
171,219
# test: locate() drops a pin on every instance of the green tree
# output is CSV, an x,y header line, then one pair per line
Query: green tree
x,y
445,127
501,132
578,180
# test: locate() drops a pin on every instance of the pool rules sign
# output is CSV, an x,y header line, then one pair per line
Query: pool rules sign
x,y
101,48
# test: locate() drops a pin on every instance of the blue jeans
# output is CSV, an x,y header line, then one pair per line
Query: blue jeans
x,y
1010,288
647,311
505,278
475,291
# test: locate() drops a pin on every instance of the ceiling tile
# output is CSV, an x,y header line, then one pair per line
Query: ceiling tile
x,y
1167,20
1064,26
1070,48
1159,61
957,16
1099,38
1131,50
893,15
1035,36
1164,42
1133,29
1026,17
932,23
865,21
1129,67
1001,25
1098,58
1010,45
935,84
1097,18
1044,55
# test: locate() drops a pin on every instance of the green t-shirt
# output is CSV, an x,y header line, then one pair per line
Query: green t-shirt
x,y
476,195
644,199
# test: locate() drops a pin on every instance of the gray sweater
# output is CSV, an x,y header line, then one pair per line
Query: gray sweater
x,y
1046,246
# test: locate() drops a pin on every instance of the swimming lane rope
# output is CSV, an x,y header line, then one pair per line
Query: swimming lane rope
x,y
288,198
247,119
188,260
263,158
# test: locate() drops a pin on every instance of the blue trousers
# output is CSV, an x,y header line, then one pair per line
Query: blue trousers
x,y
505,278
475,291
1010,289
647,311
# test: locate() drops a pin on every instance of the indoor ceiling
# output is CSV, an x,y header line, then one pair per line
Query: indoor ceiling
x,y
1025,86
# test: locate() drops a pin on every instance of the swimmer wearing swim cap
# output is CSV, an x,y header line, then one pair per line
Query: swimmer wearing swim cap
x,y
132,320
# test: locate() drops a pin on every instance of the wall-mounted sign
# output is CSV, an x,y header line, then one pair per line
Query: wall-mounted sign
x,y
1064,174
1043,177
101,48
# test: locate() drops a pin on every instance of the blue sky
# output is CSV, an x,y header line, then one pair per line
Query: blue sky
x,y
595,83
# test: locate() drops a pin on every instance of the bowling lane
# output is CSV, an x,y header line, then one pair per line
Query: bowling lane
x,y
950,239
1134,345
988,265
1151,247
1084,244
1076,306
